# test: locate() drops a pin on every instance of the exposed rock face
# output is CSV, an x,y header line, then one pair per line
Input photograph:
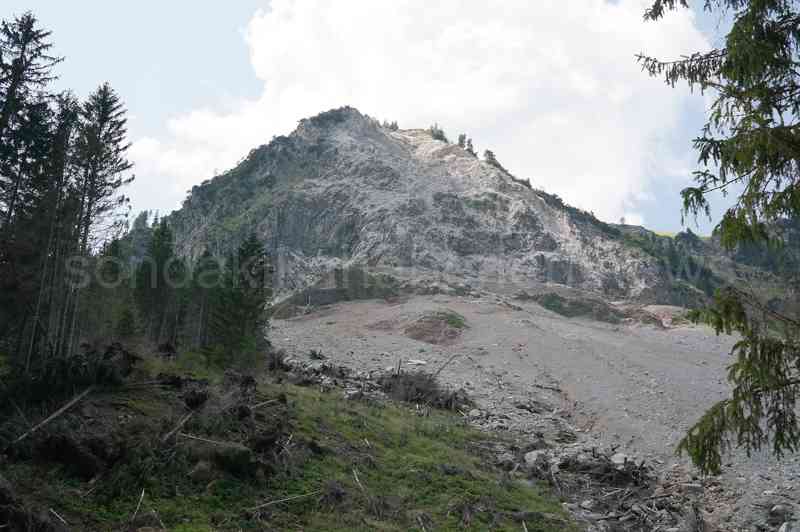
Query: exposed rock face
x,y
341,190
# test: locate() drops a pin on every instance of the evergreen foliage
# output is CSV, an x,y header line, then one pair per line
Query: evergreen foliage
x,y
71,278
438,133
749,143
465,143
470,148
238,315
491,158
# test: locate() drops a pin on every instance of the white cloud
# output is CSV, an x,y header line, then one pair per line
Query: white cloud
x,y
550,86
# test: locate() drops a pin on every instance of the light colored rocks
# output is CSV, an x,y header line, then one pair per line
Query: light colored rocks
x,y
537,458
400,199
475,414
619,459
692,488
352,394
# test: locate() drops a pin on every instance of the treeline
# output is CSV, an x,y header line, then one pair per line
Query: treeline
x,y
63,244
62,165
152,298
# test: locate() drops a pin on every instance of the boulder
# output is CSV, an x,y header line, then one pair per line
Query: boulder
x,y
505,461
620,459
537,458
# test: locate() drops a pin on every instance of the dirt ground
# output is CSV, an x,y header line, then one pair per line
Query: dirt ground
x,y
637,387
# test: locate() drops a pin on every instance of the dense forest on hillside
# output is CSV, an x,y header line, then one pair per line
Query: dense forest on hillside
x,y
75,279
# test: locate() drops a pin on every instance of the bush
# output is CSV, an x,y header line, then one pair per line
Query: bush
x,y
60,376
424,388
276,360
438,133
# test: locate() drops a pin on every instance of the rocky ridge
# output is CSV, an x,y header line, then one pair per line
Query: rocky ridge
x,y
342,190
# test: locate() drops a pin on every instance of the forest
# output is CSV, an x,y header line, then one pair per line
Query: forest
x,y
79,283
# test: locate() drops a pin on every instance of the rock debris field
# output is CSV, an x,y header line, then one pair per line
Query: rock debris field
x,y
630,388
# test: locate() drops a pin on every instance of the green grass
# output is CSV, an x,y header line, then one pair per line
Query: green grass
x,y
452,318
402,460
573,308
410,468
190,363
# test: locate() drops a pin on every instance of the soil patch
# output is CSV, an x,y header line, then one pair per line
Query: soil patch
x,y
442,327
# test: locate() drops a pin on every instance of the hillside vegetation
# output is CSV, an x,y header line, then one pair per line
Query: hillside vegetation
x,y
183,453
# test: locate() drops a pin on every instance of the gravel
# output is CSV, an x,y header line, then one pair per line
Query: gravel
x,y
631,387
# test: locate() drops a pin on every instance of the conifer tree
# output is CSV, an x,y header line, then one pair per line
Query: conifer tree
x,y
750,143
101,163
25,66
470,148
238,319
152,291
438,133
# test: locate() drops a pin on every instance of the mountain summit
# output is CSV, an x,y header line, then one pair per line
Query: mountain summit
x,y
343,190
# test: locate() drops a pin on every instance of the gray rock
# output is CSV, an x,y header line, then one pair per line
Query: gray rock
x,y
353,394
342,190
537,458
506,461
693,488
620,459
588,504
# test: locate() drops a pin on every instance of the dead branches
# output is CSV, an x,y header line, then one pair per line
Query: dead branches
x,y
57,413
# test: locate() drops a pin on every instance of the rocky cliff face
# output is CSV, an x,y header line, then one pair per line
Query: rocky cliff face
x,y
342,190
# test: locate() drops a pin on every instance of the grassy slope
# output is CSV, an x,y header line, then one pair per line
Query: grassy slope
x,y
414,470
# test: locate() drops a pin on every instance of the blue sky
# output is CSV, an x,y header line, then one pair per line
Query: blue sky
x,y
551,87
164,57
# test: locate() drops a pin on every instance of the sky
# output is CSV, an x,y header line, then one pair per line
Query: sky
x,y
552,86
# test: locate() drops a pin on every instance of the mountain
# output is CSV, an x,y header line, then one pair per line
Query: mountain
x,y
342,191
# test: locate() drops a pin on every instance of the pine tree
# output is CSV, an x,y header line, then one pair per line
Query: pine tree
x,y
470,148
101,163
462,140
25,66
438,133
750,144
238,318
152,292
206,283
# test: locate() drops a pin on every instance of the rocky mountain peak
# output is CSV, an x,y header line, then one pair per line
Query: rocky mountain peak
x,y
343,190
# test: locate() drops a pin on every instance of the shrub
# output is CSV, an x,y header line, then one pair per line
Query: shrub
x,y
438,133
276,360
60,376
424,388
